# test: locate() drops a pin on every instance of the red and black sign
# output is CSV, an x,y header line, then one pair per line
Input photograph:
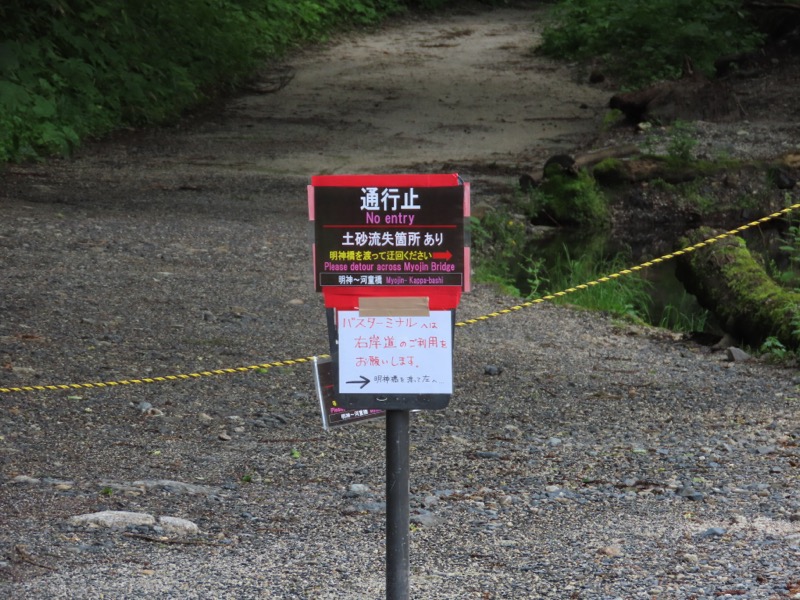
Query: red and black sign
x,y
389,235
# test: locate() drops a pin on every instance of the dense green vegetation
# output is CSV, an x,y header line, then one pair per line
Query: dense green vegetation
x,y
71,70
640,41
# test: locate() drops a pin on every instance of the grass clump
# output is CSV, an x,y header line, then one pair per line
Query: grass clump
x,y
626,296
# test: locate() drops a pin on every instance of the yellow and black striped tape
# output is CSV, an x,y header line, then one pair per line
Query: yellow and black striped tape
x,y
644,265
499,313
161,379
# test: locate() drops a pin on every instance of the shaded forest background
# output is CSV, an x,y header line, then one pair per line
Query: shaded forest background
x,y
75,70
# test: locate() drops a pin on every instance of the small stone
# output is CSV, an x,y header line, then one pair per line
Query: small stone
x,y
176,487
205,418
737,354
554,441
690,558
491,455
224,437
430,501
424,518
713,532
613,551
178,526
25,480
492,370
691,494
359,489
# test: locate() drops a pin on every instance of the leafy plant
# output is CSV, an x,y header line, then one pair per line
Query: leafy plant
x,y
681,143
790,275
499,240
774,349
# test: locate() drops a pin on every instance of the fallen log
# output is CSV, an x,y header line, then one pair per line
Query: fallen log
x,y
690,98
528,182
728,281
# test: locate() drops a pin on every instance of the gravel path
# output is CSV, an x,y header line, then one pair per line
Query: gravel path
x,y
580,457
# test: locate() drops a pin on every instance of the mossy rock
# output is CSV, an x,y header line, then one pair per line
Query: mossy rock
x,y
574,200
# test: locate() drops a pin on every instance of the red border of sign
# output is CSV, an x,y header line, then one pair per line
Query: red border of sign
x,y
439,297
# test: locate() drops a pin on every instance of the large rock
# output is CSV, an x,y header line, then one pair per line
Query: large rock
x,y
115,519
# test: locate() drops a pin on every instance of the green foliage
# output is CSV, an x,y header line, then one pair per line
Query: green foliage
x,y
499,240
676,143
640,41
774,350
70,70
504,256
626,296
684,316
790,275
681,143
611,118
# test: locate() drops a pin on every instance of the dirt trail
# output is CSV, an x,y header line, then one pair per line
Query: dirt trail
x,y
450,91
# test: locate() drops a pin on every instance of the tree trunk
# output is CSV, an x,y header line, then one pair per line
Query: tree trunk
x,y
732,284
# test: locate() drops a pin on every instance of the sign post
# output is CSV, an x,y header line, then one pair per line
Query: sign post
x,y
391,259
397,501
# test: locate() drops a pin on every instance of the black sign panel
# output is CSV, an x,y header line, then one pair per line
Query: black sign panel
x,y
389,236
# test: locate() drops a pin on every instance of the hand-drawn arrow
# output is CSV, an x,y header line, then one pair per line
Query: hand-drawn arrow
x,y
363,381
445,255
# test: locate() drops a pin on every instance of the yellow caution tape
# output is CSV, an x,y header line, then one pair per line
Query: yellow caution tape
x,y
644,265
161,379
499,313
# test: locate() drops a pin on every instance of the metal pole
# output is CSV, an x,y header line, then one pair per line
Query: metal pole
x,y
397,500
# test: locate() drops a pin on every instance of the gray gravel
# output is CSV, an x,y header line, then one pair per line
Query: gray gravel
x,y
580,457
